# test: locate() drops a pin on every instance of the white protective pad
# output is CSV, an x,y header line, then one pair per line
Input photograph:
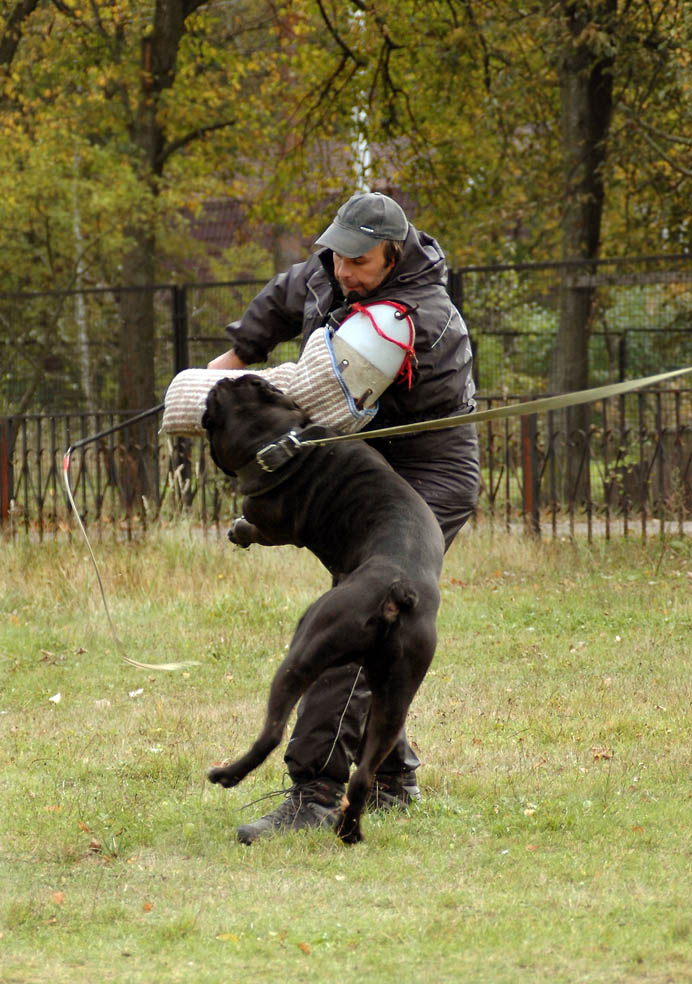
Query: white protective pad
x,y
314,383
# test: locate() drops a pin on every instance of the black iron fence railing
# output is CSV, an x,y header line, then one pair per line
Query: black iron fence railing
x,y
626,468
61,349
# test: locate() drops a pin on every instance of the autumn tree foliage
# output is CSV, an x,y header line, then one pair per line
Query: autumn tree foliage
x,y
558,129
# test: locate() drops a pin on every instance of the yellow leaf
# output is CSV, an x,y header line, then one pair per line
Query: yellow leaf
x,y
601,753
305,947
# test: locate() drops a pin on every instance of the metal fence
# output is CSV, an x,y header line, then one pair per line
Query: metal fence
x,y
641,320
60,349
632,473
62,346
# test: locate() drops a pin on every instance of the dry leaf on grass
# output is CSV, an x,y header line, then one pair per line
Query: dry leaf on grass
x,y
601,752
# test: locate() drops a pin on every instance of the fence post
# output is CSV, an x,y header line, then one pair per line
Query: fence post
x,y
6,472
622,356
529,457
181,353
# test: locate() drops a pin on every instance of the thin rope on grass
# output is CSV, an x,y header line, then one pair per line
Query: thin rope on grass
x,y
121,648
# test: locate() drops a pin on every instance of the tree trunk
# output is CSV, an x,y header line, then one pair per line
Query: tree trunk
x,y
159,50
586,87
11,36
137,380
80,312
137,336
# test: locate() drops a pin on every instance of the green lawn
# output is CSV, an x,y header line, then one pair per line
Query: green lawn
x,y
553,843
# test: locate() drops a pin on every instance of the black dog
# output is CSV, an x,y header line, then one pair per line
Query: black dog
x,y
372,531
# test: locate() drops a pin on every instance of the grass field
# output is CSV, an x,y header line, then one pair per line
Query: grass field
x,y
554,839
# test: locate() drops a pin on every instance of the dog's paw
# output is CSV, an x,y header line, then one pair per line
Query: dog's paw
x,y
233,537
348,829
240,533
223,776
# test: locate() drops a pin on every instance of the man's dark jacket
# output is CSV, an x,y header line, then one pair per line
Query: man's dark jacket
x,y
442,464
307,297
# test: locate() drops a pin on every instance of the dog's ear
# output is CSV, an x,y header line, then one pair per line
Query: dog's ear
x,y
208,415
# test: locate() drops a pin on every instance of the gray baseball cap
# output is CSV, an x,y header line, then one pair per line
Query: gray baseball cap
x,y
365,219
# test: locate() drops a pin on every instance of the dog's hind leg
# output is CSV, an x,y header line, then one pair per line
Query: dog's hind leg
x,y
327,634
387,718
392,693
288,685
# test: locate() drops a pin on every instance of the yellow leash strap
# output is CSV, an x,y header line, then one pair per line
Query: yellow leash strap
x,y
515,410
479,416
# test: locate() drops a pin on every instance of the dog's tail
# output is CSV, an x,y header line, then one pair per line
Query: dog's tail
x,y
401,596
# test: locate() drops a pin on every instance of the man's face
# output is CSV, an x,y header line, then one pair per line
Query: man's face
x,y
362,274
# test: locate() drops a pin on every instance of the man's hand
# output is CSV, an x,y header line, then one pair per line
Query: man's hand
x,y
229,360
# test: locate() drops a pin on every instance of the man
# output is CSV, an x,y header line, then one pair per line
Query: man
x,y
369,251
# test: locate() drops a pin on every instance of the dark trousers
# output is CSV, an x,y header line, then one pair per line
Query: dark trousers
x,y
443,468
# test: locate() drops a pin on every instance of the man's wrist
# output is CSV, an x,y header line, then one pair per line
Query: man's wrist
x,y
229,360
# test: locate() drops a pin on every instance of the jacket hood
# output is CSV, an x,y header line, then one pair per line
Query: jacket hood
x,y
422,262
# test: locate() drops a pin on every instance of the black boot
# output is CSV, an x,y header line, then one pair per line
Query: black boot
x,y
390,791
307,804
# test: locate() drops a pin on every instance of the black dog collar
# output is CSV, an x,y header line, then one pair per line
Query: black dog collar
x,y
269,467
273,456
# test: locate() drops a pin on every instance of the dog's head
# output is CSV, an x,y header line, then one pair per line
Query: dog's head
x,y
244,414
